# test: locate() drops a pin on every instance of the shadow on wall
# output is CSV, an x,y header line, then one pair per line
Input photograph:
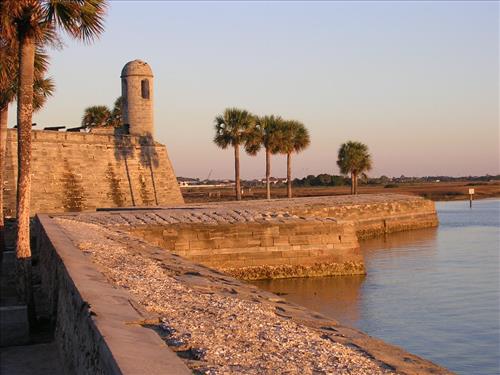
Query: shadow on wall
x,y
116,194
124,150
148,157
74,197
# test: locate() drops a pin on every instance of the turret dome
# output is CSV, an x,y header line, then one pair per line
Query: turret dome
x,y
137,68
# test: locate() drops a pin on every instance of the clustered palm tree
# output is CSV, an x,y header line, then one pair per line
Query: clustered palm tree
x,y
236,127
32,23
100,115
354,158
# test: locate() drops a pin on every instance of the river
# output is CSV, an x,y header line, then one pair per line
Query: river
x,y
434,292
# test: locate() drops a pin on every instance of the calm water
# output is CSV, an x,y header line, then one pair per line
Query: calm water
x,y
434,292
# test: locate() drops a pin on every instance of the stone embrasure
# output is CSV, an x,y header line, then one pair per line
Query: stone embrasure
x,y
219,325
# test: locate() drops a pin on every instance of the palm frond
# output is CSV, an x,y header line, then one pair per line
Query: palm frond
x,y
233,127
354,157
96,116
82,19
43,88
293,137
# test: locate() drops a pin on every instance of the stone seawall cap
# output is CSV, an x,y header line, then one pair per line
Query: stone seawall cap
x,y
136,68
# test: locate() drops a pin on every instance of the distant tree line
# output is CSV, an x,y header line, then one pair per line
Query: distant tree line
x,y
322,179
325,179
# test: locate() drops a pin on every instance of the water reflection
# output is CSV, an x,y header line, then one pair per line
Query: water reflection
x,y
422,240
342,298
337,297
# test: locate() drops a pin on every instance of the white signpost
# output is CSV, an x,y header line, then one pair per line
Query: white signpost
x,y
471,193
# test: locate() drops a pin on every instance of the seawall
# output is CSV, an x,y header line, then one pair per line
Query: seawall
x,y
244,243
371,214
124,306
273,239
264,250
74,171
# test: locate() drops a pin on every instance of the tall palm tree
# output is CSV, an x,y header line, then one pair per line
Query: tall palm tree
x,y
43,88
354,158
294,138
96,116
267,134
30,22
234,128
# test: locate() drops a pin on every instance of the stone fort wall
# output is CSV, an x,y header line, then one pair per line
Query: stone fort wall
x,y
84,171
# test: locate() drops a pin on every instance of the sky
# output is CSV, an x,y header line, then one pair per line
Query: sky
x,y
418,82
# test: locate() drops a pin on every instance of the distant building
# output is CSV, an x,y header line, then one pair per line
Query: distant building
x,y
275,180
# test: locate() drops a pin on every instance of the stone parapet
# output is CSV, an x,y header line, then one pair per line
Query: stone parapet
x,y
98,327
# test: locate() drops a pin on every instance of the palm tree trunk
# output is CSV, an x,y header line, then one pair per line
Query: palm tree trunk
x,y
4,113
355,183
237,171
268,174
352,183
24,117
289,175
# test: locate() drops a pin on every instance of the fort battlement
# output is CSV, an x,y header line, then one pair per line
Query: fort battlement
x,y
105,167
74,171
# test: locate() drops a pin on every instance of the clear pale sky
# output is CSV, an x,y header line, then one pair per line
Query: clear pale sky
x,y
418,82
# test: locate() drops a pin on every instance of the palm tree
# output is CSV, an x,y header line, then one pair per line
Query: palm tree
x,y
353,158
43,88
99,115
235,128
294,138
267,134
32,22
96,116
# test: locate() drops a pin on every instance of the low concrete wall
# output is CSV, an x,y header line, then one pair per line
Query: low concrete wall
x,y
294,248
97,326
